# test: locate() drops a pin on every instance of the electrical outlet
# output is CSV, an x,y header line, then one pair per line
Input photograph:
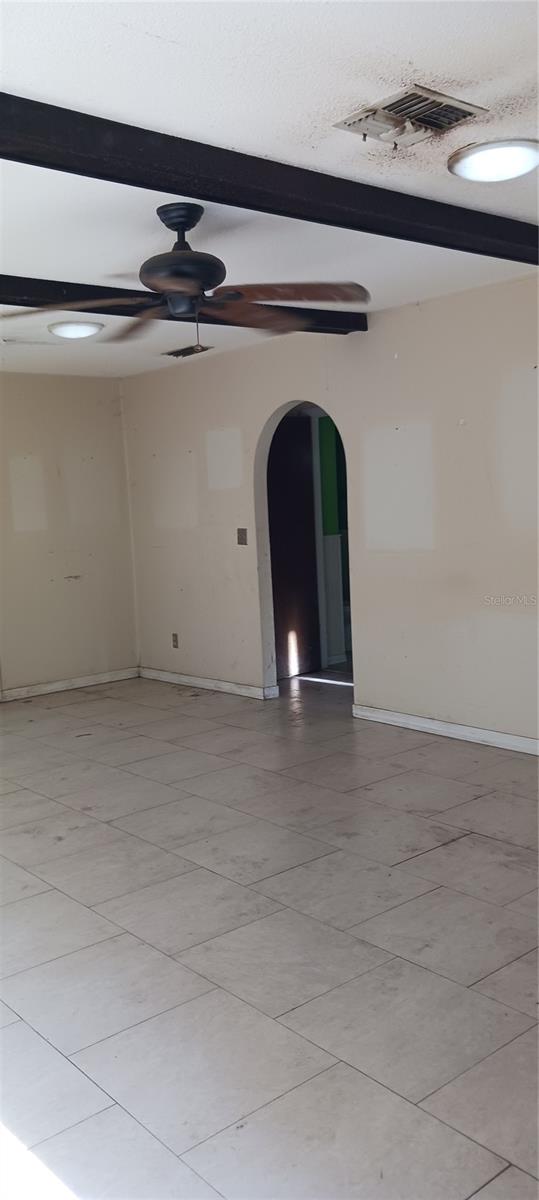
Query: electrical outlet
x,y
242,537
174,641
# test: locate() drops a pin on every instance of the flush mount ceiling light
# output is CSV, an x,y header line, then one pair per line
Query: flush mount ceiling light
x,y
75,329
492,162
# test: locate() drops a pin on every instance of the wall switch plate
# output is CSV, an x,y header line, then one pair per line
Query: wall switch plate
x,y
174,641
242,537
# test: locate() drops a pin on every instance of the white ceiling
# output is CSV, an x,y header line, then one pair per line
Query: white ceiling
x,y
267,78
272,78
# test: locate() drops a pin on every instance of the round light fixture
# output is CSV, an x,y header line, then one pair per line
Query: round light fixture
x,y
492,162
75,329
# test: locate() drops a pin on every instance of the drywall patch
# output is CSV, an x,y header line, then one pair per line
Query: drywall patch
x,y
28,497
224,459
174,490
398,487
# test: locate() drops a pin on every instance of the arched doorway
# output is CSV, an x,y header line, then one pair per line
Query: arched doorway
x,y
307,548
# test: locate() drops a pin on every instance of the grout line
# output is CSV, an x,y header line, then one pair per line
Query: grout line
x,y
417,1105
75,1124
488,1183
212,987
510,964
183,1153
174,954
467,1070
34,966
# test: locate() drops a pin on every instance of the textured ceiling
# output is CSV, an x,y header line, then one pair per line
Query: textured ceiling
x,y
269,79
272,78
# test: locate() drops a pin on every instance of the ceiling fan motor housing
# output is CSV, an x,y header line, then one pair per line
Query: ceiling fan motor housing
x,y
190,272
183,270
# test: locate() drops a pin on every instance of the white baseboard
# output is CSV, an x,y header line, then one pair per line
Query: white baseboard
x,y
66,685
467,733
213,685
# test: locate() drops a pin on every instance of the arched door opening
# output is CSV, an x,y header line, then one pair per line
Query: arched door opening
x,y
308,535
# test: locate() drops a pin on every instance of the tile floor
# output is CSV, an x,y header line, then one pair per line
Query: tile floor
x,y
264,951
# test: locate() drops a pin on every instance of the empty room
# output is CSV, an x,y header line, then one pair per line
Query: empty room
x,y
268,600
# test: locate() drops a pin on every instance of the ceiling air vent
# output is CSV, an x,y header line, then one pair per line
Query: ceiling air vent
x,y
409,117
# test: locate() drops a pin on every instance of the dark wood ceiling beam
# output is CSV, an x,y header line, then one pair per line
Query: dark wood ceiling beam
x,y
35,293
45,135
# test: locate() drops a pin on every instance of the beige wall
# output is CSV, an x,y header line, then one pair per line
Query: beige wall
x,y
436,406
66,571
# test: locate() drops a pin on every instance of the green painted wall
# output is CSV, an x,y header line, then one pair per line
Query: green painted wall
x,y
327,435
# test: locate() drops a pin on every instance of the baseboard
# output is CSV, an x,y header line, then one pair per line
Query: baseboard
x,y
66,685
466,733
212,685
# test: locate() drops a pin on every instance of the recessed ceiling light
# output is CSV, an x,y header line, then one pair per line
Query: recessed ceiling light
x,y
491,162
75,329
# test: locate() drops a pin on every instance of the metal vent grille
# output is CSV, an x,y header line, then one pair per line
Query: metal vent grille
x,y
435,114
410,116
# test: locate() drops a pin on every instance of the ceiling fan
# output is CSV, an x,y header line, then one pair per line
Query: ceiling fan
x,y
186,282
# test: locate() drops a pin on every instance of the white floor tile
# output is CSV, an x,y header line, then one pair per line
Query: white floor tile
x,y
174,768
16,884
234,784
452,758
406,1027
496,1102
253,851
511,1184
103,872
84,997
527,904
183,912
111,1157
45,926
17,808
175,728
213,1060
481,867
501,815
343,889
54,837
344,772
7,786
126,794
343,1135
514,985
219,739
277,754
282,961
458,936
73,776
420,793
385,836
131,749
42,1093
518,775
34,759
299,806
7,1016
175,825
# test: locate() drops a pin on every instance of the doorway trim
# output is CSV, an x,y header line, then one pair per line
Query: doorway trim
x,y
270,686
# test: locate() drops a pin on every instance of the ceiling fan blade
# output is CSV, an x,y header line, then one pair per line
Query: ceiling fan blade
x,y
120,275
137,324
341,293
75,306
254,316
